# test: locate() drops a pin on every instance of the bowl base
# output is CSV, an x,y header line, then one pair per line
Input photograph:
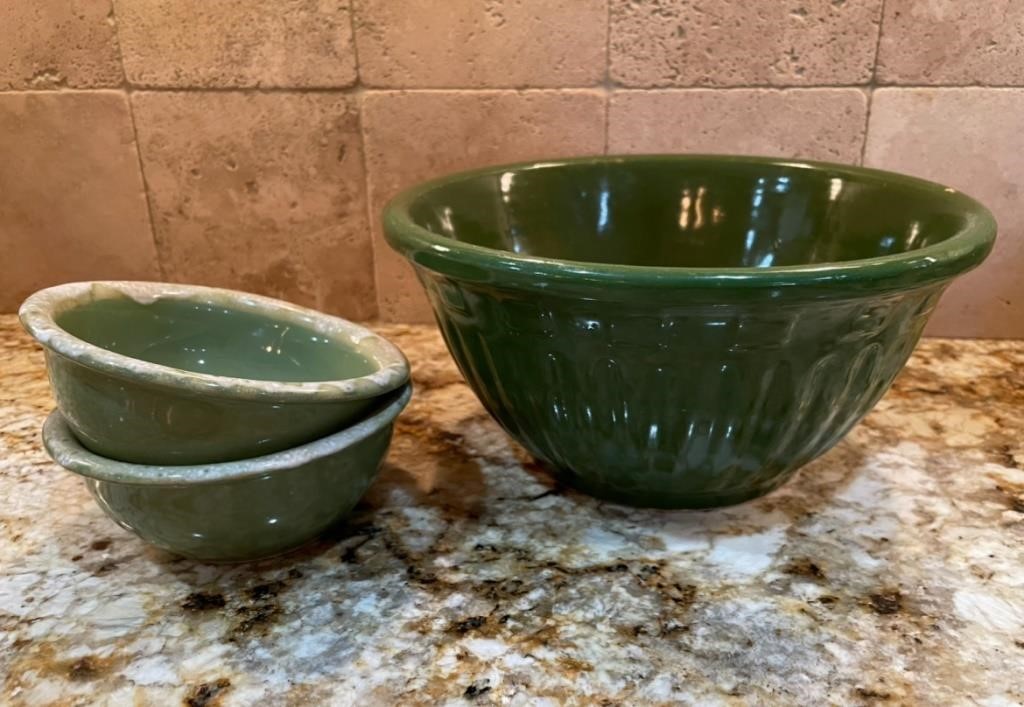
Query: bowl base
x,y
666,498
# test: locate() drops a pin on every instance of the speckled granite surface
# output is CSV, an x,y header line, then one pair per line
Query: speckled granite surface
x,y
890,571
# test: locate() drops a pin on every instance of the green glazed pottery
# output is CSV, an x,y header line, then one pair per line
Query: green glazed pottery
x,y
155,373
683,331
239,510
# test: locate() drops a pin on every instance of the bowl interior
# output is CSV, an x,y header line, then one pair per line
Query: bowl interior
x,y
206,338
692,212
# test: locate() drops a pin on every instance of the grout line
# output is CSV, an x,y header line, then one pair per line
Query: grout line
x,y
355,43
878,45
867,123
814,87
358,96
137,88
607,119
358,88
607,71
161,268
872,84
124,85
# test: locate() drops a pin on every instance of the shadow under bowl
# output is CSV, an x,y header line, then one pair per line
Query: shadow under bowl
x,y
683,331
155,373
242,510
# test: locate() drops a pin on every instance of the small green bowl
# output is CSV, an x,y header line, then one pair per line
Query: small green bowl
x,y
683,331
241,510
155,373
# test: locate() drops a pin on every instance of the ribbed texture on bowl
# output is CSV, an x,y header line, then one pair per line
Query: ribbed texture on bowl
x,y
677,405
683,330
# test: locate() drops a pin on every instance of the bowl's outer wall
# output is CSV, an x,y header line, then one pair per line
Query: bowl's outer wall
x,y
680,400
150,424
248,518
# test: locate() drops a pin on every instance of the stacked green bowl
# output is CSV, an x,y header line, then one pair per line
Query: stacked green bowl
x,y
214,424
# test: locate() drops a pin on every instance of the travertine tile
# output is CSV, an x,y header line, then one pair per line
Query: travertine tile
x,y
729,43
261,192
963,137
411,136
236,43
481,44
813,123
71,200
56,44
952,42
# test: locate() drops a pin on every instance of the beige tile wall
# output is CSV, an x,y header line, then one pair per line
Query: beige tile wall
x,y
252,143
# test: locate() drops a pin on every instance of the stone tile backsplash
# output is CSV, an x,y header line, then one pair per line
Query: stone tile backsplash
x,y
263,192
252,143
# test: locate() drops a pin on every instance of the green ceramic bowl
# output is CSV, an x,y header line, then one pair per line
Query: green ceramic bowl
x,y
240,510
683,331
154,373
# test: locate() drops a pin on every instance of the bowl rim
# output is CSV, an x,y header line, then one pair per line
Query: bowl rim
x,y
39,311
943,260
65,449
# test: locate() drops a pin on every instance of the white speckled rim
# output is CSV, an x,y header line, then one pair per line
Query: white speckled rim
x,y
40,310
67,451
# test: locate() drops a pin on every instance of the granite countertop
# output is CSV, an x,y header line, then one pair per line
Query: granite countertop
x,y
890,571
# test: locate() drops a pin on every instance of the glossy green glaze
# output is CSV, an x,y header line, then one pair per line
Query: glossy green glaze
x,y
683,331
153,373
239,510
214,340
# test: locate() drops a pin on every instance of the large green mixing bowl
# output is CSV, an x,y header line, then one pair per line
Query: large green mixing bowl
x,y
683,331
